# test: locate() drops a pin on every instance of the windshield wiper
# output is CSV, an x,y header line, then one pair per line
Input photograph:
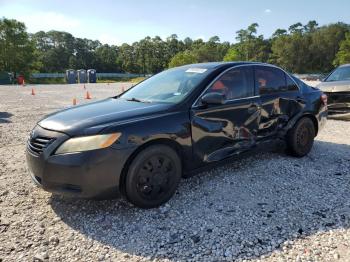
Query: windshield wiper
x,y
137,100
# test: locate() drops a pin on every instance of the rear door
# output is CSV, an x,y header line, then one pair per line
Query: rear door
x,y
219,131
280,99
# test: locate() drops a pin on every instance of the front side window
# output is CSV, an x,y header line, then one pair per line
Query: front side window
x,y
339,74
269,80
235,83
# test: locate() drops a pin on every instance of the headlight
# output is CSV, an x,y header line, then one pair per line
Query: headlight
x,y
86,143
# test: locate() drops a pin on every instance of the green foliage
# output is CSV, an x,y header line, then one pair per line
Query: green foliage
x,y
308,48
210,51
279,32
201,52
343,55
325,43
183,58
106,59
231,55
300,49
287,52
58,51
16,49
251,47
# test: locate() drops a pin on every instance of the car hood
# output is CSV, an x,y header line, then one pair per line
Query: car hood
x,y
336,86
93,117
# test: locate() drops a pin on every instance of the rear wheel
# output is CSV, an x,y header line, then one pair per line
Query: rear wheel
x,y
301,137
153,176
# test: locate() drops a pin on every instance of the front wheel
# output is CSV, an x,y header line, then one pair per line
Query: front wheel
x,y
301,137
153,176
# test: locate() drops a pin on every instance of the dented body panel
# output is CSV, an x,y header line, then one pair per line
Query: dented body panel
x,y
222,131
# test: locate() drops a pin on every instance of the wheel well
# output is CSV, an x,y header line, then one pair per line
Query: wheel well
x,y
161,141
314,120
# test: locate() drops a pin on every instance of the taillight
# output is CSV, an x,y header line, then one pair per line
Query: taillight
x,y
324,99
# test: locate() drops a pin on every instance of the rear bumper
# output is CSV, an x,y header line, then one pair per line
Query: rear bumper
x,y
90,174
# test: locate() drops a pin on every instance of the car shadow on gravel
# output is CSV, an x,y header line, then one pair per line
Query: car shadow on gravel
x,y
244,209
4,117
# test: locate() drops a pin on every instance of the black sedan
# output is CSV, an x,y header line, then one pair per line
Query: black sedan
x,y
140,143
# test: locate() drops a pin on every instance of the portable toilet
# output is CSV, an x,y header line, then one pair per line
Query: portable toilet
x,y
91,75
71,76
82,77
5,78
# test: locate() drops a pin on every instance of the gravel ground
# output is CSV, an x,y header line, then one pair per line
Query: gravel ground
x,y
264,207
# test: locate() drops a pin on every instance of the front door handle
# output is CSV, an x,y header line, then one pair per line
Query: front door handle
x,y
253,108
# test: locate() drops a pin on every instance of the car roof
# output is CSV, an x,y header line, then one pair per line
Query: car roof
x,y
345,65
217,65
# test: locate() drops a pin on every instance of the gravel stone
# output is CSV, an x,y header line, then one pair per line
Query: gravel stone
x,y
266,206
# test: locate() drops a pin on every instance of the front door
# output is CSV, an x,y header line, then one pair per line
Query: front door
x,y
222,130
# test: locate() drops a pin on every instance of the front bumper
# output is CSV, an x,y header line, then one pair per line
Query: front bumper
x,y
87,174
339,111
338,105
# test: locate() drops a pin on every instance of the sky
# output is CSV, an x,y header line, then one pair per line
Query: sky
x,y
116,22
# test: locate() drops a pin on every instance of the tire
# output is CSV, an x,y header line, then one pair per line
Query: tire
x,y
153,176
300,138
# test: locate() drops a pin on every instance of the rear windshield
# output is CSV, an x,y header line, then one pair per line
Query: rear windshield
x,y
302,86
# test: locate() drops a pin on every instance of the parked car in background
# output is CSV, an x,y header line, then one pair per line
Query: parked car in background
x,y
337,88
140,143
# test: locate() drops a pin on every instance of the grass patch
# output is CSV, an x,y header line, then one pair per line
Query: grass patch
x,y
47,81
120,79
137,79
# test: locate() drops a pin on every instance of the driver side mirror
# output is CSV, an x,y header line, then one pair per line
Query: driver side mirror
x,y
213,98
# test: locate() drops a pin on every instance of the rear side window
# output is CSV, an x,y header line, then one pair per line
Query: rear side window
x,y
235,83
291,86
269,80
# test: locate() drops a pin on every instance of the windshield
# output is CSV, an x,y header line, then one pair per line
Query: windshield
x,y
170,86
339,74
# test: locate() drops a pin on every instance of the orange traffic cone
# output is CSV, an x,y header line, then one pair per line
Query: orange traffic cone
x,y
88,96
33,92
74,101
23,83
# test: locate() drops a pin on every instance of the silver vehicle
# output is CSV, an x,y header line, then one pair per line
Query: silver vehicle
x,y
337,87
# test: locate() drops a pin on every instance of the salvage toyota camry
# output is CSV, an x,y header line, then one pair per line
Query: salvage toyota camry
x,y
139,144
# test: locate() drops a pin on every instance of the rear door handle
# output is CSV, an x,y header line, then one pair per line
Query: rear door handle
x,y
300,100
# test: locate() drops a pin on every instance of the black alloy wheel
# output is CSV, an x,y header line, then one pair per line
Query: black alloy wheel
x,y
153,176
300,138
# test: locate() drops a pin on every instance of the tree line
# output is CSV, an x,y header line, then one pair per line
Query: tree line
x,y
308,48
